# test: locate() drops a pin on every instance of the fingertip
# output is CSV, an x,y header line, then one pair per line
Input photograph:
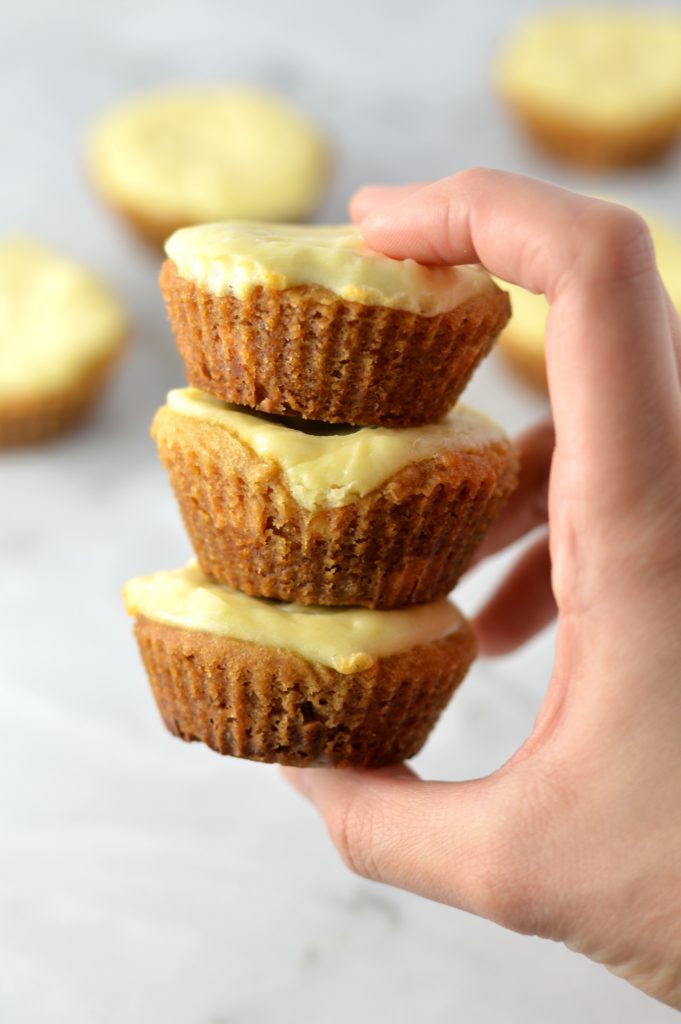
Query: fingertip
x,y
323,786
297,779
360,203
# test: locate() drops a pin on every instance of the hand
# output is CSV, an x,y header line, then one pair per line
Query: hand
x,y
578,836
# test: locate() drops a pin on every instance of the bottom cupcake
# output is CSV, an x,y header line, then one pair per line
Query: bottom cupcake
x,y
295,684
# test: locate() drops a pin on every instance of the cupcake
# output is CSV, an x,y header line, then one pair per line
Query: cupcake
x,y
597,88
294,684
175,158
308,321
522,340
61,333
301,511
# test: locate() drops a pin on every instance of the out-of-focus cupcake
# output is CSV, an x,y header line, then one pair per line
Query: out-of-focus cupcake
x,y
522,340
301,512
296,685
174,158
61,334
598,88
309,321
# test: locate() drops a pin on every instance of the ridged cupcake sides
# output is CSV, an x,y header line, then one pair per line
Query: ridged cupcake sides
x,y
304,351
268,704
406,542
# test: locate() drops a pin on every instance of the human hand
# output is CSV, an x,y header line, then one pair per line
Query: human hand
x,y
578,837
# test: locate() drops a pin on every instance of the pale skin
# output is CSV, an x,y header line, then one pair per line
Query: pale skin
x,y
578,837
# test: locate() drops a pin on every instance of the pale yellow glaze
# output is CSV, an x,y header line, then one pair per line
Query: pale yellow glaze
x,y
236,257
55,320
346,639
327,471
206,154
528,321
603,68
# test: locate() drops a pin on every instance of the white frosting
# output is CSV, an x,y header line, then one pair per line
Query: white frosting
x,y
335,469
56,320
235,257
346,639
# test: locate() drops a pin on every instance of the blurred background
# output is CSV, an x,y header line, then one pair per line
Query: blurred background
x,y
144,880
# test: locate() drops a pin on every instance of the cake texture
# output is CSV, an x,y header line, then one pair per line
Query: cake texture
x,y
374,517
310,322
61,334
174,158
254,699
522,340
601,89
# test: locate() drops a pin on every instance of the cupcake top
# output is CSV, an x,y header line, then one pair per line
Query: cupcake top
x,y
182,157
604,68
233,258
530,311
346,639
56,320
334,468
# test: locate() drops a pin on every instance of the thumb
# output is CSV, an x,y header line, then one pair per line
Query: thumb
x,y
458,843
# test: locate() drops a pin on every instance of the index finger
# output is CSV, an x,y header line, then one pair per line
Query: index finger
x,y
610,359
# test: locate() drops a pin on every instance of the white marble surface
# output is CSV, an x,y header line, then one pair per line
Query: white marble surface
x,y
143,880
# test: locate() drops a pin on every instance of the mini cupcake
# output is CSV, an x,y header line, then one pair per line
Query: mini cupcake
x,y
522,340
307,513
61,333
175,158
598,88
296,685
308,321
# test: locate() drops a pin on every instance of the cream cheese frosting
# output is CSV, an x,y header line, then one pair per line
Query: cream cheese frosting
x,y
203,154
56,320
605,68
331,470
236,257
348,640
530,311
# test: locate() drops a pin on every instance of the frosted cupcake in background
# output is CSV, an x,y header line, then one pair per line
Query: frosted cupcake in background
x,y
61,334
601,89
169,159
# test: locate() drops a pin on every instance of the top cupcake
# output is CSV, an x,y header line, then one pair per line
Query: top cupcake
x,y
309,321
238,256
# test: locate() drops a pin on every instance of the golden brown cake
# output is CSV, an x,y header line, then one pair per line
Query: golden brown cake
x,y
599,88
310,322
174,158
295,685
522,340
299,512
61,334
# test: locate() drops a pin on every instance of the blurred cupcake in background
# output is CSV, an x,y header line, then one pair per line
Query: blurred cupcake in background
x,y
170,159
601,88
61,334
522,340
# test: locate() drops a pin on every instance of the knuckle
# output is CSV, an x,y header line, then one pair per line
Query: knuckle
x,y
473,178
356,833
618,240
514,877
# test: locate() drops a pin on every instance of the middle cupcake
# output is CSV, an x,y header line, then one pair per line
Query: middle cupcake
x,y
320,514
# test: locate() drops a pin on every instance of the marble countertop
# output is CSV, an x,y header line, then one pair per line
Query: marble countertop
x,y
143,880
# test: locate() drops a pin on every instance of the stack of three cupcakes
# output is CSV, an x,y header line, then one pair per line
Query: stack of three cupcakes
x,y
331,495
